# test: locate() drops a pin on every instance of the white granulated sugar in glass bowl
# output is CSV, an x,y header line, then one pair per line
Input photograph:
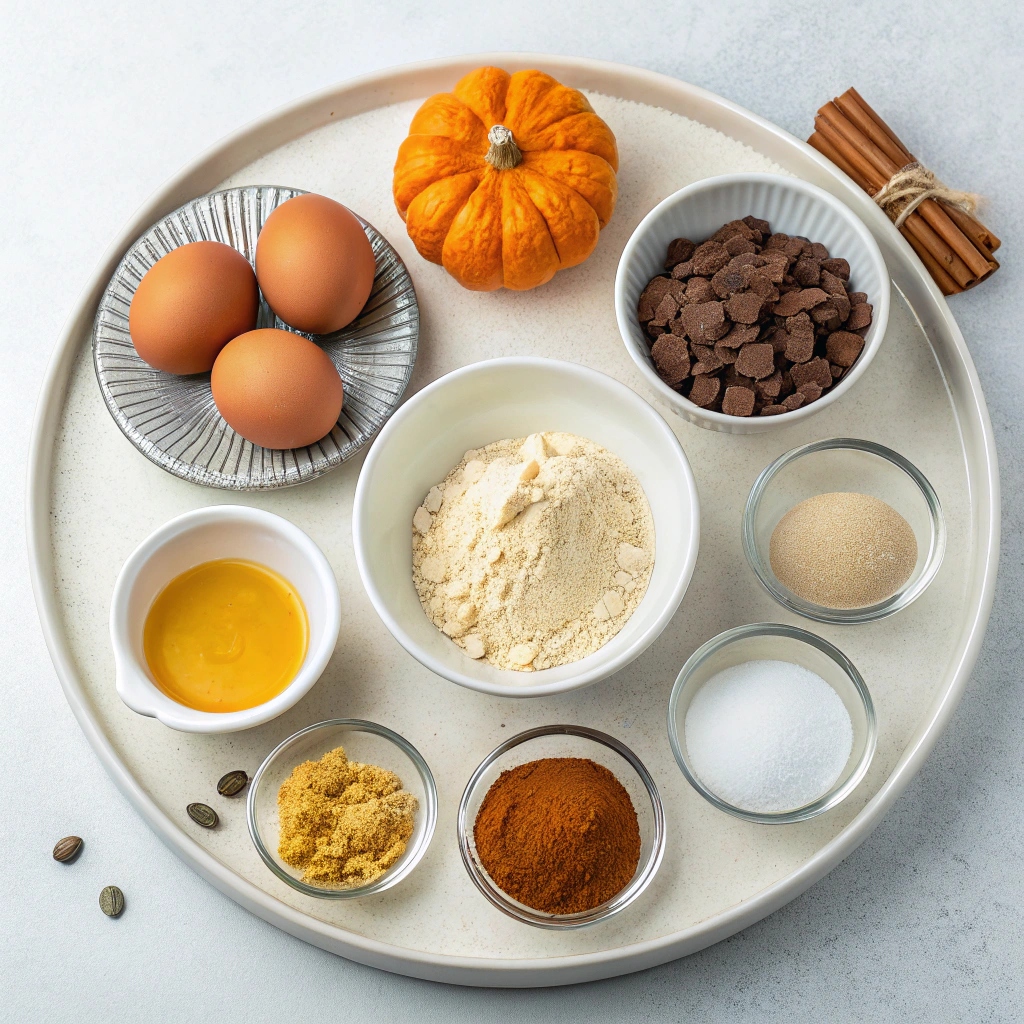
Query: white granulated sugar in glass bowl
x,y
768,736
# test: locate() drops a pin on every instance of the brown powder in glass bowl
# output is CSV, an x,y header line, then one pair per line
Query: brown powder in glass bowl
x,y
559,834
843,550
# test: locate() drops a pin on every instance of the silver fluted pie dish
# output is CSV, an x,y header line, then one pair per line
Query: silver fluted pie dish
x,y
173,420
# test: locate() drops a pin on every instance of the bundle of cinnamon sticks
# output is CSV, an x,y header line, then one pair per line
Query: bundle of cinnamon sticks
x,y
955,247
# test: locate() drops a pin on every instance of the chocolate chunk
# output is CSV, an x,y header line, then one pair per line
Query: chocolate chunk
x,y
856,298
799,338
756,224
810,391
816,370
651,298
728,280
756,360
736,245
777,338
740,334
704,391
731,377
843,347
679,250
839,267
860,316
671,359
837,371
770,387
709,258
734,229
760,283
707,360
747,259
812,297
807,272
795,246
818,251
744,307
843,307
789,303
681,271
777,241
667,309
792,402
795,301
824,312
773,410
776,265
698,289
738,401
705,322
653,331
832,284
725,353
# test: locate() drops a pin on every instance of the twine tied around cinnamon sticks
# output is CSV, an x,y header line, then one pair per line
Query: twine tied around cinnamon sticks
x,y
938,222
911,185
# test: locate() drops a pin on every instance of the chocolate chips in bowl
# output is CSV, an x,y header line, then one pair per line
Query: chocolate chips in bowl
x,y
753,323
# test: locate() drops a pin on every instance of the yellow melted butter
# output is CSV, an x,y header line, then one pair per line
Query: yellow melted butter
x,y
225,636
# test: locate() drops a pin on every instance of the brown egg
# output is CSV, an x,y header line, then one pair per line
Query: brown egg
x,y
314,264
190,304
277,389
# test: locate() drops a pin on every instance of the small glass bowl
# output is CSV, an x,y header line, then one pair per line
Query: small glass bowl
x,y
777,642
844,464
566,741
363,741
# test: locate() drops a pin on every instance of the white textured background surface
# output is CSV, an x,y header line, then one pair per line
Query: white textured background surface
x,y
98,105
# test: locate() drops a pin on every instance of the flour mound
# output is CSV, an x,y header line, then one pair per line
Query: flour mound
x,y
533,552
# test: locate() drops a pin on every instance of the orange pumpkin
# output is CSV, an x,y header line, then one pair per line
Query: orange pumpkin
x,y
506,179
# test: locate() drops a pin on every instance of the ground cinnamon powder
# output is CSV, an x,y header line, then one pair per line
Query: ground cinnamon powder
x,y
559,834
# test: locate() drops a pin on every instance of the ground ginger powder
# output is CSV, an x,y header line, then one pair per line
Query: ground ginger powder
x,y
343,823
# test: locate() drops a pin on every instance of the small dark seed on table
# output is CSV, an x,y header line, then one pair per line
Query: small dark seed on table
x,y
203,815
233,783
67,849
111,901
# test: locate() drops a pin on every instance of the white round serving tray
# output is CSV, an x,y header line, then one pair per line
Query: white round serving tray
x,y
92,497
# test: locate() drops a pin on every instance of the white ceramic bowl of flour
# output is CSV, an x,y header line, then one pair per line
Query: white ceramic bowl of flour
x,y
506,398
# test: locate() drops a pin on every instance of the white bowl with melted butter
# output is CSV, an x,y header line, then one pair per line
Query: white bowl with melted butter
x,y
207,535
489,401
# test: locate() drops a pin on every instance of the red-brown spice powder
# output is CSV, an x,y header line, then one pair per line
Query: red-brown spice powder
x,y
559,834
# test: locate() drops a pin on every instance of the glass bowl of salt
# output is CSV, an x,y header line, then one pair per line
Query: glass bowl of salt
x,y
771,723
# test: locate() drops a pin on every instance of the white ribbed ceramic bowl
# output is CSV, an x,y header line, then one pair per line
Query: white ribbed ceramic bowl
x,y
789,205
219,531
484,402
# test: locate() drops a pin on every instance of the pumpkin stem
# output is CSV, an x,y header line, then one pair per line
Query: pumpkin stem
x,y
503,153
